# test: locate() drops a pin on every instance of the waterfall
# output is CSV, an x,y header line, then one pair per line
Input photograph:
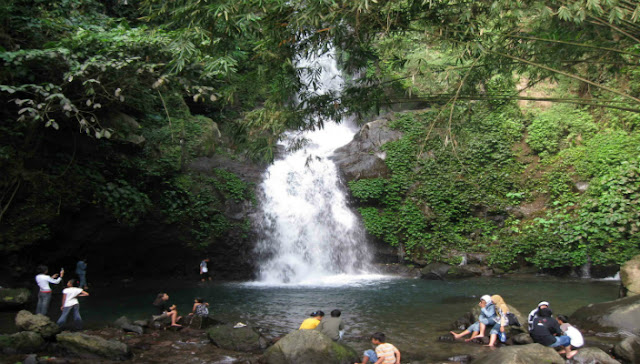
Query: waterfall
x,y
309,231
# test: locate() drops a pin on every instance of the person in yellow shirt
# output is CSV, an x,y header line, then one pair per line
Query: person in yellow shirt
x,y
313,321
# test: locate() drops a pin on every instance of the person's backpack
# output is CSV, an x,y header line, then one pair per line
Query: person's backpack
x,y
513,320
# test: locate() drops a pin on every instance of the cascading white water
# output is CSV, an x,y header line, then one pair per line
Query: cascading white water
x,y
310,234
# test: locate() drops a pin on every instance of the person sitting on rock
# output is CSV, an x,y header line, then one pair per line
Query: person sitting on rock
x,y
534,313
385,352
163,309
488,317
574,334
502,309
546,331
70,303
332,326
313,321
200,308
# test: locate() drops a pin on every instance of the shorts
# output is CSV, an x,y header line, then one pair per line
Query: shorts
x,y
205,275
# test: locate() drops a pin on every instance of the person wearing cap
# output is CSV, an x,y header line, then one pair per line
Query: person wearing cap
x,y
534,313
574,334
313,321
546,331
488,317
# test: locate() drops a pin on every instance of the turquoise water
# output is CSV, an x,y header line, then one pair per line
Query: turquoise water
x,y
412,312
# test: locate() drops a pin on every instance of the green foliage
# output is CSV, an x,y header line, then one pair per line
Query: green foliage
x,y
554,129
125,202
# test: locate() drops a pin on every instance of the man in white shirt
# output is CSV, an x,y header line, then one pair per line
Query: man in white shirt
x,y
44,295
204,270
70,303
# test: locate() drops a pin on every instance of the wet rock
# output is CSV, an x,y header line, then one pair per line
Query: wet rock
x,y
309,347
11,298
462,359
630,276
522,339
126,325
141,323
202,322
593,356
30,359
363,158
466,271
621,314
89,346
628,349
521,354
21,342
435,271
244,339
40,324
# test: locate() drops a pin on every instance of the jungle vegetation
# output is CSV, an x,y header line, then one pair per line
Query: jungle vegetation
x,y
107,101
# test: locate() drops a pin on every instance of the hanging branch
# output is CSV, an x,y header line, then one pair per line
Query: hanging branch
x,y
6,206
565,74
167,112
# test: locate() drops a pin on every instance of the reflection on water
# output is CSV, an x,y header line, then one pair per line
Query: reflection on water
x,y
412,312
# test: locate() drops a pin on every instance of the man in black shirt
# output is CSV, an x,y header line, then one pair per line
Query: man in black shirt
x,y
546,331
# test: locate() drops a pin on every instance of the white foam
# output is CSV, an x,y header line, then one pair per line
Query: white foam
x,y
337,280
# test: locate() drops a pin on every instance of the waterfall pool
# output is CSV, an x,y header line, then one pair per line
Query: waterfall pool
x,y
412,312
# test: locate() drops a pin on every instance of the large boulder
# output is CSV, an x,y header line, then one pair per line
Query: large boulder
x,y
309,347
628,349
621,314
593,356
89,346
11,298
40,324
244,339
521,354
126,325
21,342
630,276
363,157
435,271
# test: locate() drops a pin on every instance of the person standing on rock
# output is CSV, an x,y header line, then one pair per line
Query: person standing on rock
x,y
546,331
204,270
81,271
313,321
332,326
44,295
70,303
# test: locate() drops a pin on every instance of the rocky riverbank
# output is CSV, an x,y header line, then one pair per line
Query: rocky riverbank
x,y
610,335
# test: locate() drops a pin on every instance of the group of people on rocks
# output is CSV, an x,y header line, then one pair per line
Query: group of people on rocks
x,y
70,294
543,328
333,327
162,309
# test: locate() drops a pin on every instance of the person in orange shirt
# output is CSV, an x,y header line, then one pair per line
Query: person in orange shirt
x,y
385,353
313,321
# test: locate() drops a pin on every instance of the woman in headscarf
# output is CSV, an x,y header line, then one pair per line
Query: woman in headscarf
x,y
488,317
502,321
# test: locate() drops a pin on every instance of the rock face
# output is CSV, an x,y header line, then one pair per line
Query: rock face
x,y
521,354
21,342
435,271
363,157
309,347
88,346
593,356
610,316
630,276
628,349
13,297
244,339
40,324
467,271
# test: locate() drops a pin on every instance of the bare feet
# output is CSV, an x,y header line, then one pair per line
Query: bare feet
x,y
473,337
456,336
176,325
571,354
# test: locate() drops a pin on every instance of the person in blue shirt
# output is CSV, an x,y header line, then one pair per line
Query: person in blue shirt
x,y
488,317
